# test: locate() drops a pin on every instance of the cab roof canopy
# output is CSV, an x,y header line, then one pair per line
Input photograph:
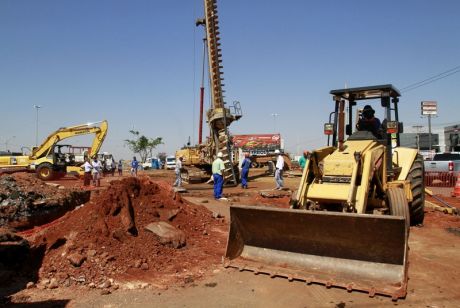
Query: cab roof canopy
x,y
371,92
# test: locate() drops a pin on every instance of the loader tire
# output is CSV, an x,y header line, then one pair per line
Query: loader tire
x,y
45,172
398,203
417,185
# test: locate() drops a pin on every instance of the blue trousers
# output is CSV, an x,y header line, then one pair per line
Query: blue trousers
x,y
178,181
218,185
244,177
279,178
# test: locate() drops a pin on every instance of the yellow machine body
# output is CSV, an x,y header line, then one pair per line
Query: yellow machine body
x,y
350,217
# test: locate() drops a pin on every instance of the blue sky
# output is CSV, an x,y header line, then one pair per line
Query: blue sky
x,y
138,63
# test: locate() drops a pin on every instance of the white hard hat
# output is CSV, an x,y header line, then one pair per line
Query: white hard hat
x,y
220,154
277,151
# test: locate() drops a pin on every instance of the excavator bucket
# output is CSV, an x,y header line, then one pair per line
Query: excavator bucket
x,y
353,251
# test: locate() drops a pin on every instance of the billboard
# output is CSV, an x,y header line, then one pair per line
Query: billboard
x,y
258,144
429,108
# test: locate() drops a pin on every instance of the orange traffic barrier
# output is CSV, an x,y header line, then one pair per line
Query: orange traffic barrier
x,y
456,191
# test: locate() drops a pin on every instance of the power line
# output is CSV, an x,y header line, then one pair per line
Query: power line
x,y
431,79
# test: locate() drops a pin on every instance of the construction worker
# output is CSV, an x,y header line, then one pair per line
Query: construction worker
x,y
134,166
217,173
303,159
87,168
245,165
368,122
177,170
113,166
279,170
120,167
97,169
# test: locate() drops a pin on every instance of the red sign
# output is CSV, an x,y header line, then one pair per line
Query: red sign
x,y
256,141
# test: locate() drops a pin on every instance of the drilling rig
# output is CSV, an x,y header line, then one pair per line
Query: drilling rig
x,y
198,159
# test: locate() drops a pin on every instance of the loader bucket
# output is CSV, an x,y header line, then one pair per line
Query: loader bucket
x,y
353,251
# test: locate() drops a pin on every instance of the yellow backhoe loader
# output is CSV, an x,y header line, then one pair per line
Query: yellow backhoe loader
x,y
349,222
47,160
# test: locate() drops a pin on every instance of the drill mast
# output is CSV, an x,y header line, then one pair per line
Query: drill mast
x,y
219,116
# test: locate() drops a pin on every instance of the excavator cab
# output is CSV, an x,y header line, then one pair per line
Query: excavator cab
x,y
349,222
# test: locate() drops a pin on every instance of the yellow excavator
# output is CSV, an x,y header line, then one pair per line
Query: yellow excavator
x,y
47,161
348,225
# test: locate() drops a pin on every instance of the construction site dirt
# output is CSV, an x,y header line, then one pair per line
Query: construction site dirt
x,y
103,248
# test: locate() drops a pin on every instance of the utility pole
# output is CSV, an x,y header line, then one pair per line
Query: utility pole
x,y
274,115
418,128
36,124
429,131
6,142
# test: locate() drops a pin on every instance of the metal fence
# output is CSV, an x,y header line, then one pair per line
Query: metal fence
x,y
441,179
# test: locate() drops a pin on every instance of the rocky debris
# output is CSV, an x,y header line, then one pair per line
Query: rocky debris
x,y
168,214
179,190
30,285
274,193
53,284
27,201
216,215
144,266
76,259
106,284
52,184
109,235
167,233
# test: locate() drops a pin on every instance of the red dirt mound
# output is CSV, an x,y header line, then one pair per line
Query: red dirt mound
x,y
106,238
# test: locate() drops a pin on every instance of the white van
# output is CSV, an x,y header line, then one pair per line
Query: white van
x,y
170,162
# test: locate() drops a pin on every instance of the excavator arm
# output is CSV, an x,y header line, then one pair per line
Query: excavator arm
x,y
67,132
99,139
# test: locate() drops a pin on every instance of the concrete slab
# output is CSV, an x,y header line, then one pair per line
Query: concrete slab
x,y
167,233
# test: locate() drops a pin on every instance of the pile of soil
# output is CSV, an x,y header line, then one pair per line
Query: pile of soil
x,y
105,240
26,201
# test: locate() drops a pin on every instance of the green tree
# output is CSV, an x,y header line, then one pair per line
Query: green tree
x,y
142,145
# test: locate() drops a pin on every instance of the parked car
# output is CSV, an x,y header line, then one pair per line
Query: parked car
x,y
151,163
443,169
170,162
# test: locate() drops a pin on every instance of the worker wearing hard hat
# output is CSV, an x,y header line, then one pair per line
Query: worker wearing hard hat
x,y
279,170
218,168
303,159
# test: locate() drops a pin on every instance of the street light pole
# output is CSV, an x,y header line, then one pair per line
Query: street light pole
x,y
6,142
36,124
274,115
418,128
